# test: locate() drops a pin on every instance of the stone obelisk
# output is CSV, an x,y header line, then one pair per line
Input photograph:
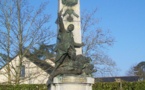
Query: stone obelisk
x,y
71,15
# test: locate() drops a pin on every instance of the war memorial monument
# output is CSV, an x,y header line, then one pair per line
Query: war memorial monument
x,y
72,70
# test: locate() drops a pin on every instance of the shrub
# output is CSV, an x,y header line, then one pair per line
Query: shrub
x,y
119,86
24,87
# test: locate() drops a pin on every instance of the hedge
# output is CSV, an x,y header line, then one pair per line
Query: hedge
x,y
119,86
24,87
96,86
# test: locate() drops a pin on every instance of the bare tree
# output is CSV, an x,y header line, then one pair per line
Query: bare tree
x,y
138,70
130,72
22,28
96,41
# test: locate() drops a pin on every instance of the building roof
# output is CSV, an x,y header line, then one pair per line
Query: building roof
x,y
40,63
115,79
43,65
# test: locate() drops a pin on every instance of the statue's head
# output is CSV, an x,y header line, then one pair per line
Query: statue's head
x,y
70,27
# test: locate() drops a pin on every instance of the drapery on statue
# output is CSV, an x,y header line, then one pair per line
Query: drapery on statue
x,y
66,44
66,61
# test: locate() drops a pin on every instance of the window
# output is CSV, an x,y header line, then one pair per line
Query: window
x,y
22,74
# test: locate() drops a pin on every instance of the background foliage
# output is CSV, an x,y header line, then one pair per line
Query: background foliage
x,y
24,87
120,86
97,86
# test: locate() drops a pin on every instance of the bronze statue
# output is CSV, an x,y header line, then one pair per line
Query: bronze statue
x,y
66,44
65,50
67,62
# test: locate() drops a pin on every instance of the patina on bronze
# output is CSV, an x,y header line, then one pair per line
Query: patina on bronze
x,y
69,2
67,62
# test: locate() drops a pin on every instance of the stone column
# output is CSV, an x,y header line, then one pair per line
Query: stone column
x,y
76,19
72,83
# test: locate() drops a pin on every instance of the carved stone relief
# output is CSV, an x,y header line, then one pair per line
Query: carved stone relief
x,y
69,2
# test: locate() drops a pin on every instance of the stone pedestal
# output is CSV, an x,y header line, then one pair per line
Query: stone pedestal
x,y
72,83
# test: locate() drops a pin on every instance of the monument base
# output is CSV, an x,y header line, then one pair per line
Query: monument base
x,y
72,83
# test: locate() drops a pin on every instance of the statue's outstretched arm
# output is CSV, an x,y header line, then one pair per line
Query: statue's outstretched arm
x,y
60,22
77,45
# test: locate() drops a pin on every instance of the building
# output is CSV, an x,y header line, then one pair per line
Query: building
x,y
118,79
32,71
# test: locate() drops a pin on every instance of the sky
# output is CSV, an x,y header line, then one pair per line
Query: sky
x,y
126,21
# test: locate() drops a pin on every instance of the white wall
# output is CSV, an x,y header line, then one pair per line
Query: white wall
x,y
33,74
